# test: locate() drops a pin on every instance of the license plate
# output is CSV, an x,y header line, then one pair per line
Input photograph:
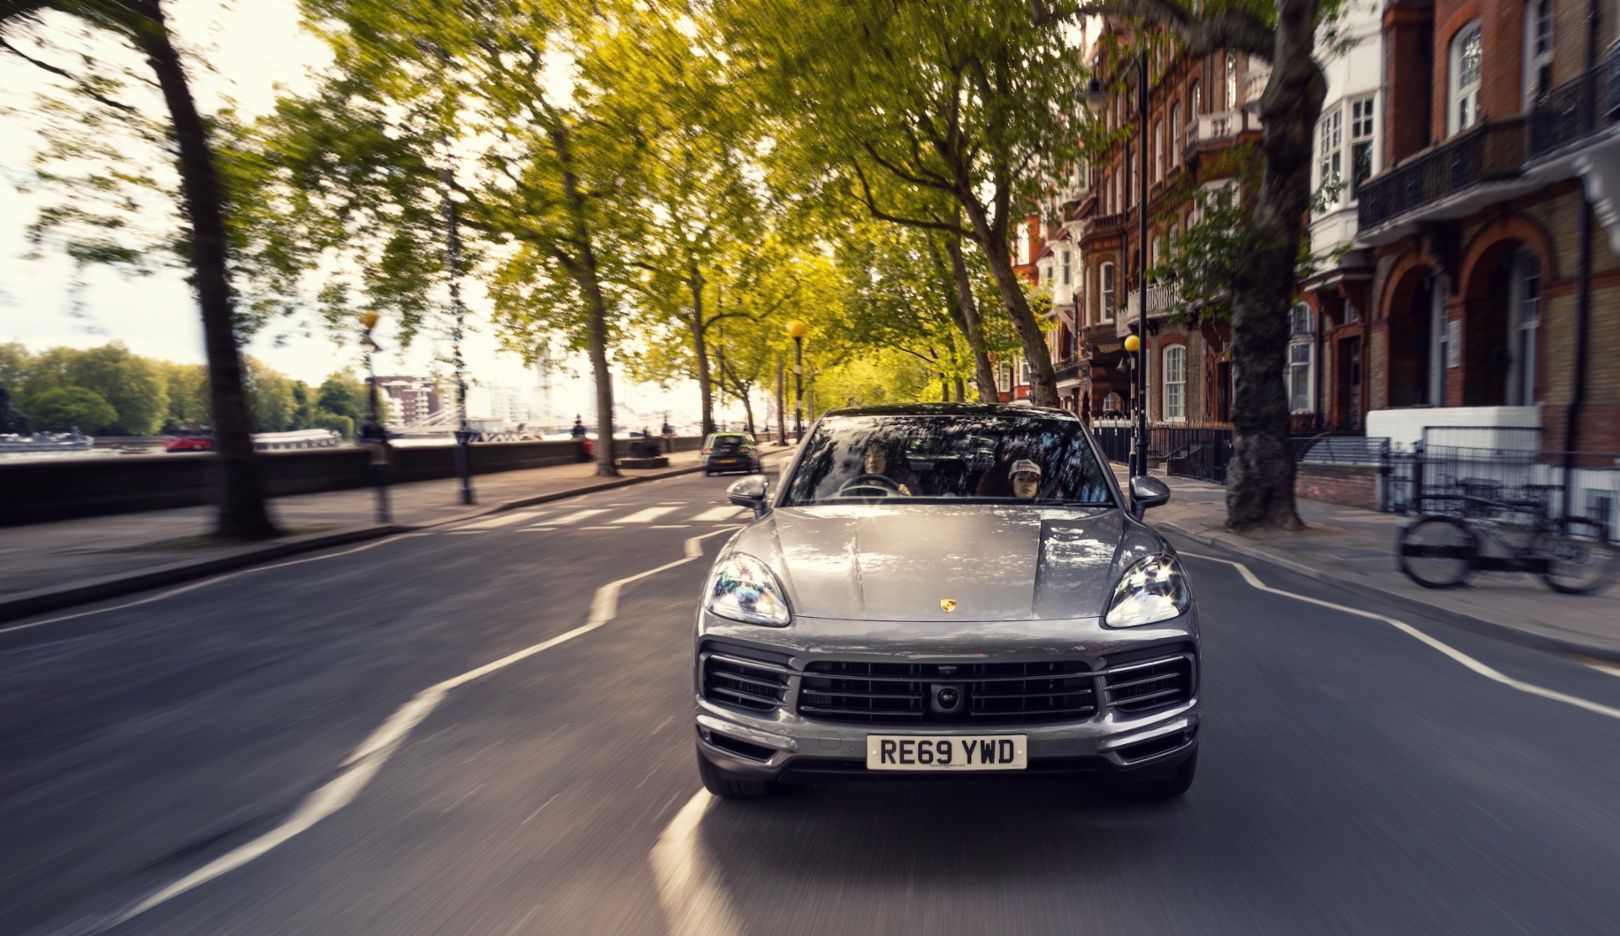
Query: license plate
x,y
725,461
953,752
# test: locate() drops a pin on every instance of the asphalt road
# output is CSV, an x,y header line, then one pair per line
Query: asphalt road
x,y
1353,779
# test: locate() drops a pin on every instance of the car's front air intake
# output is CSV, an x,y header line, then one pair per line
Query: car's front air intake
x,y
743,679
1150,684
979,693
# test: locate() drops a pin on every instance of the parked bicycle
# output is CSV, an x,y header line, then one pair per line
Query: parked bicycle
x,y
1572,555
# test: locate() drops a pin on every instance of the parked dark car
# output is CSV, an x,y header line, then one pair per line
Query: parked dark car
x,y
730,451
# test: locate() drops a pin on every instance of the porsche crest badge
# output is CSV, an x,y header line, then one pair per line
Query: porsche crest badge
x,y
947,605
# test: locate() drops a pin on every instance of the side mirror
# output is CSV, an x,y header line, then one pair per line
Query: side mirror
x,y
1148,491
750,492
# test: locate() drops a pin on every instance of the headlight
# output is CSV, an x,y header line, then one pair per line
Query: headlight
x,y
1152,590
745,589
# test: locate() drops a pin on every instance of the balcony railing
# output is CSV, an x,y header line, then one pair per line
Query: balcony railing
x,y
1212,128
1161,300
1576,109
1067,369
1489,152
1105,223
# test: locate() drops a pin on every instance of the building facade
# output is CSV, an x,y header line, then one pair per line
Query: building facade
x,y
1201,110
411,399
1492,230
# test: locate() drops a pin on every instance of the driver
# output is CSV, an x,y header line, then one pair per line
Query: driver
x,y
1026,479
875,461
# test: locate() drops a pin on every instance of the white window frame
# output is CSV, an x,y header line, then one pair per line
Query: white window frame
x,y
1175,379
1107,291
1023,372
1301,367
1158,151
1462,100
1195,101
1021,241
1231,81
1063,264
1363,131
1538,49
1524,310
1178,134
1330,154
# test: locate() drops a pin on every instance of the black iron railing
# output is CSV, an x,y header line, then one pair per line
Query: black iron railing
x,y
1575,109
1067,369
1447,479
1489,152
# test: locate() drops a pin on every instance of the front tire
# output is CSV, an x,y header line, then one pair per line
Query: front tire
x,y
1163,788
1437,552
725,786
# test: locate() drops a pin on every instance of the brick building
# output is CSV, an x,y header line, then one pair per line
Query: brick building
x,y
1492,240
1200,110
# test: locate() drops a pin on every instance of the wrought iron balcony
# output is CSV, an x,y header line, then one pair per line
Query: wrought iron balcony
x,y
1490,152
1576,109
1068,369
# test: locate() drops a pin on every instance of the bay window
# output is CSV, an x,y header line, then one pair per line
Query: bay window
x,y
1467,54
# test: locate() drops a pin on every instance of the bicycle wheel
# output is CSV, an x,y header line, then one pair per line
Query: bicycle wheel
x,y
1437,552
1580,558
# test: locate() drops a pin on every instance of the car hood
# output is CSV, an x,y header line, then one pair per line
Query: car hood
x,y
946,562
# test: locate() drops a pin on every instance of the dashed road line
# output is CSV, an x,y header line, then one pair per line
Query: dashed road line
x,y
503,519
644,516
717,513
576,516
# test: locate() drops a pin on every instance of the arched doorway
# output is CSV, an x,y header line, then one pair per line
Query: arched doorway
x,y
1503,326
1417,335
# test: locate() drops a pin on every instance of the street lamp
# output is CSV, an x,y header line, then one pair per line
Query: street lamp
x,y
1097,99
797,330
372,434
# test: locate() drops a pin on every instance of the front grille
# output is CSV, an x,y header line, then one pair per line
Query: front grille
x,y
733,677
1141,687
993,693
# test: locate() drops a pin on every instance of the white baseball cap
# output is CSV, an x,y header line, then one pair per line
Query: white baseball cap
x,y
1024,466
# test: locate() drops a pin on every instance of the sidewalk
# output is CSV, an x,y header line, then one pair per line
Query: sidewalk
x,y
46,566
1355,547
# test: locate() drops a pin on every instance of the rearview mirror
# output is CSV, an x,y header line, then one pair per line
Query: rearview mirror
x,y
1148,491
750,492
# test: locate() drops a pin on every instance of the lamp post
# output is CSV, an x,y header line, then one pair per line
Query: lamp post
x,y
796,330
1097,99
372,434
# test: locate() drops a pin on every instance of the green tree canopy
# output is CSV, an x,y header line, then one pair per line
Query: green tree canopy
x,y
60,409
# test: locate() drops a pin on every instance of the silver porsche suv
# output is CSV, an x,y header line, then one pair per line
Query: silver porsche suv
x,y
950,590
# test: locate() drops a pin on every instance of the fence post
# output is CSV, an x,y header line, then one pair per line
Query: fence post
x,y
1386,470
1417,478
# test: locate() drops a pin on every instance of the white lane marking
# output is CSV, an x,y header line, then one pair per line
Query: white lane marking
x,y
502,519
202,583
644,516
464,532
715,514
599,528
576,516
694,902
367,759
537,529
668,526
1457,655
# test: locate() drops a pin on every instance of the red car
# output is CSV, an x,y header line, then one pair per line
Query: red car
x,y
188,443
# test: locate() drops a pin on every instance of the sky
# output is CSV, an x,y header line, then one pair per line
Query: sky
x,y
253,46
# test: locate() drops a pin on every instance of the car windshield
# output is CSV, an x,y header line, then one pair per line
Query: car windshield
x,y
726,443
1018,459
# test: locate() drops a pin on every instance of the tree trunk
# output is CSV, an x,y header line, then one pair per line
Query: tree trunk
x,y
968,310
1260,479
1042,378
242,513
586,277
700,351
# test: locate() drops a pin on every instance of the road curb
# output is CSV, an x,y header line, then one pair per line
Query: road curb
x,y
42,600
1503,632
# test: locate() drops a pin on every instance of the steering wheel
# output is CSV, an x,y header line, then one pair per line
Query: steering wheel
x,y
865,485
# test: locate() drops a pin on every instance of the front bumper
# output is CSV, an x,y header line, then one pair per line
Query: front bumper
x,y
784,745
